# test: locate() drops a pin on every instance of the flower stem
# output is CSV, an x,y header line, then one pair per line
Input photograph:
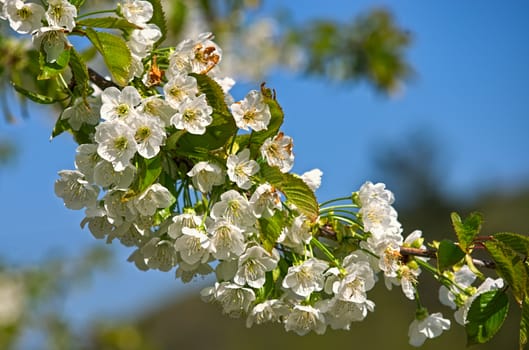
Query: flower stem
x,y
325,251
95,13
335,200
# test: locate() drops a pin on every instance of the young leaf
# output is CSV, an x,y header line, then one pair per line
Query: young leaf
x,y
510,267
518,243
485,316
149,170
158,18
295,190
448,254
467,229
33,96
524,323
177,16
79,74
107,22
115,53
270,230
50,70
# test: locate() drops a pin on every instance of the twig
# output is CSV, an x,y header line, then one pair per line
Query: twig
x,y
99,80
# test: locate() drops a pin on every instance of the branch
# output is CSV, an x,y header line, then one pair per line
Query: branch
x,y
99,80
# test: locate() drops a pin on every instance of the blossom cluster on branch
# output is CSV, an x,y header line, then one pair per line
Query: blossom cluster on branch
x,y
193,179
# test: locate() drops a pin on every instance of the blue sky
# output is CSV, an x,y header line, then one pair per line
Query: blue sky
x,y
471,93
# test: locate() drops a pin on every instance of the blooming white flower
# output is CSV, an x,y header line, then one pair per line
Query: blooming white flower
x,y
489,284
149,135
268,311
205,175
352,287
159,254
137,11
234,299
86,158
305,318
154,197
464,277
312,178
81,113
106,176
227,240
180,88
197,56
241,167
141,41
375,192
180,221
98,225
234,208
193,245
253,265
116,143
380,219
226,270
277,151
429,327
305,278
297,235
23,17
339,314
157,108
186,272
193,115
252,112
265,201
118,209
76,192
119,104
61,13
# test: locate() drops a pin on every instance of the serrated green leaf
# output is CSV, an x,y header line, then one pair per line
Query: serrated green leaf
x,y
448,254
271,230
108,22
50,70
80,76
524,323
510,267
295,190
221,129
467,229
60,126
519,243
486,316
33,96
158,18
115,53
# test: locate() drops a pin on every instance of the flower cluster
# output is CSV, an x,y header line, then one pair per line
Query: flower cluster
x,y
172,165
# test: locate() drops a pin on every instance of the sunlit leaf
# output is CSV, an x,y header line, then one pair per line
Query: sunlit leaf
x,y
158,18
270,229
107,22
517,242
467,229
33,96
448,254
486,316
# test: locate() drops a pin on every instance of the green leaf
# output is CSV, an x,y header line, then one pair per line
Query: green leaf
x,y
33,96
77,3
467,229
149,170
448,254
518,243
524,323
510,267
270,230
115,53
178,16
108,22
50,70
485,316
80,76
158,18
222,128
295,190
60,126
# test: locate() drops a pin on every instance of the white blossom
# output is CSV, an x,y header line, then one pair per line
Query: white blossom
x,y
312,178
305,318
119,104
61,13
154,197
81,112
253,265
193,245
136,11
205,175
159,254
179,88
234,299
271,310
149,135
141,41
24,17
115,143
241,167
52,41
463,278
305,278
265,201
86,158
76,192
227,240
297,235
194,56
235,208
193,115
339,314
277,151
106,176
157,108
252,112
430,327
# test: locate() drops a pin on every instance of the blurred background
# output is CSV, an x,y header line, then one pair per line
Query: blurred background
x,y
431,98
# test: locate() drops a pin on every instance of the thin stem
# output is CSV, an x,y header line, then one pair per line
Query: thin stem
x,y
325,251
95,13
335,200
335,207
